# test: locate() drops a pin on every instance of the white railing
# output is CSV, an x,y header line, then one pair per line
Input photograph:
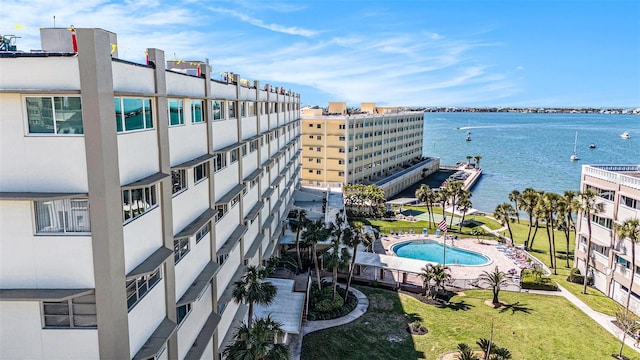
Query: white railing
x,y
614,174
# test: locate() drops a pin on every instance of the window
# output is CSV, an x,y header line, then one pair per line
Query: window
x,y
274,107
318,149
310,148
137,288
605,194
340,173
62,216
340,162
79,312
630,202
243,150
181,248
310,125
318,137
341,126
203,232
319,172
196,111
232,110
222,211
178,180
252,108
221,259
137,201
253,146
243,112
234,155
341,150
341,138
217,107
319,126
310,137
220,161
253,183
608,223
54,115
318,160
235,200
182,312
133,114
176,116
200,172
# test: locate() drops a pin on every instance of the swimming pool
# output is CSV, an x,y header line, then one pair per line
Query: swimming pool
x,y
429,250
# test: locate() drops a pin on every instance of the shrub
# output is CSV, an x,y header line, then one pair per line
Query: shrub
x,y
575,276
533,282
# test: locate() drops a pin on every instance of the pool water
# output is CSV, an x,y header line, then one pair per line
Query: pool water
x,y
431,251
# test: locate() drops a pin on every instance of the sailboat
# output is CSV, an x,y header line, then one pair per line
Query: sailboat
x,y
468,136
574,156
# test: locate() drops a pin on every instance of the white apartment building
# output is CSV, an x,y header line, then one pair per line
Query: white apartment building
x,y
618,188
131,198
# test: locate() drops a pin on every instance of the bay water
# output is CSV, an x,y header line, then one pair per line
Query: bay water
x,y
521,150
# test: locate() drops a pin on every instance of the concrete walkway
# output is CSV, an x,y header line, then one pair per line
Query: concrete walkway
x,y
311,326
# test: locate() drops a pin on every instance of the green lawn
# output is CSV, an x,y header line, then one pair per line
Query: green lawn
x,y
535,327
594,298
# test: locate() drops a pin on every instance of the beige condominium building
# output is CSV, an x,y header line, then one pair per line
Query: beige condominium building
x,y
363,146
618,189
132,197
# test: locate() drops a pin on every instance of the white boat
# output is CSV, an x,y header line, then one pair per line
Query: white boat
x,y
468,136
574,156
625,135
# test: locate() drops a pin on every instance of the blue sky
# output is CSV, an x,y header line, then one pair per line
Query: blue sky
x,y
419,53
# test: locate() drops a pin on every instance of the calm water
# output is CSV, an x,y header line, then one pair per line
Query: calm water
x,y
432,251
529,150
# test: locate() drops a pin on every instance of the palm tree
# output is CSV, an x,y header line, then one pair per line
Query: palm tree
x,y
427,275
528,201
478,232
477,158
252,289
630,229
466,353
589,206
549,207
442,198
314,233
354,237
455,191
570,205
427,196
503,214
515,196
298,226
258,343
337,257
469,157
496,280
464,205
441,277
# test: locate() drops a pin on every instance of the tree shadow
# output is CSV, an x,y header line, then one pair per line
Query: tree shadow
x,y
413,317
456,306
516,307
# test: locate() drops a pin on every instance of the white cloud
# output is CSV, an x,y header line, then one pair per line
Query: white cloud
x,y
290,30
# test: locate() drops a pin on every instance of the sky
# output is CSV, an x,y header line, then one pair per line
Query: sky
x,y
544,53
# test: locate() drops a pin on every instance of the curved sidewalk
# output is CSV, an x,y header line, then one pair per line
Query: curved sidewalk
x,y
311,326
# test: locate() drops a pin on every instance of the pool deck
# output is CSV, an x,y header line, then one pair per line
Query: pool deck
x,y
501,256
